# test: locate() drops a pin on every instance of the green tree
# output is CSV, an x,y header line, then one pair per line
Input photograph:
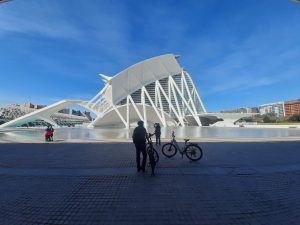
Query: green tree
x,y
295,118
248,119
266,119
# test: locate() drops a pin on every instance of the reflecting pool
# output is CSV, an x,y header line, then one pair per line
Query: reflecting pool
x,y
125,134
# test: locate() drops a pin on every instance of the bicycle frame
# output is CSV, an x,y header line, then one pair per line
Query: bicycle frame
x,y
191,150
150,143
151,154
174,142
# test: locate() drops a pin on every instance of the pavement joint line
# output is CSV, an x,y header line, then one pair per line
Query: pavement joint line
x,y
162,171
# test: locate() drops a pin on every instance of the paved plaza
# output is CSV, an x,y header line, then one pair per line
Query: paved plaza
x,y
97,183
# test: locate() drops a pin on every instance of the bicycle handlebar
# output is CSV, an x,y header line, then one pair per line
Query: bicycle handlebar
x,y
173,134
150,135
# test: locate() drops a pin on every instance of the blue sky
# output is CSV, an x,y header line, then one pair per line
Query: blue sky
x,y
239,53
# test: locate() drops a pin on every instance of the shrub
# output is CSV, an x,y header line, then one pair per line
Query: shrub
x,y
295,118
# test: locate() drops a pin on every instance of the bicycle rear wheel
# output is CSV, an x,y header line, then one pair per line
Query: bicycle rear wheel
x,y
169,150
193,152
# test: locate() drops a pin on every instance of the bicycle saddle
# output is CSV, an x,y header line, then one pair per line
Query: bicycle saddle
x,y
186,140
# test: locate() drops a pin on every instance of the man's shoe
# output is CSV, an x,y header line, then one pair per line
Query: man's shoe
x,y
143,169
138,169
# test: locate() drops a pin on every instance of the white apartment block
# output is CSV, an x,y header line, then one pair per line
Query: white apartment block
x,y
277,108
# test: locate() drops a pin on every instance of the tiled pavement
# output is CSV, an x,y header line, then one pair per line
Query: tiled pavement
x,y
105,194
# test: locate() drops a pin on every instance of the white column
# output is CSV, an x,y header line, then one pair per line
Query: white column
x,y
119,114
127,112
176,100
162,119
144,106
182,91
189,93
199,99
160,101
186,103
169,92
165,95
156,95
135,107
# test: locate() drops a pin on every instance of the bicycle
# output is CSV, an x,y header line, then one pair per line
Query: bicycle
x,y
191,150
153,154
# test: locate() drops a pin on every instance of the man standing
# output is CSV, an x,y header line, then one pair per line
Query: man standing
x,y
157,133
139,139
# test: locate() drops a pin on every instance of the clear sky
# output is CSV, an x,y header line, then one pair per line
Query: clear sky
x,y
238,52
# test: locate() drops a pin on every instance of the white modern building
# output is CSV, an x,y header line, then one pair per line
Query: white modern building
x,y
154,90
276,108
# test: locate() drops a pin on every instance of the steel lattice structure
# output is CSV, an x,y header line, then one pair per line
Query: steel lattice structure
x,y
153,90
158,86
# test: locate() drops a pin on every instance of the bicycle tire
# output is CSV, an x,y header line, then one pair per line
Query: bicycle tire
x,y
152,160
169,150
193,152
156,155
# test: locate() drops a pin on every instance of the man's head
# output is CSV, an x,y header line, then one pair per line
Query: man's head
x,y
141,123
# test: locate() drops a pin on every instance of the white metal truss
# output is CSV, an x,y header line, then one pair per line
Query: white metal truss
x,y
170,103
181,99
154,90
194,113
161,117
178,99
196,92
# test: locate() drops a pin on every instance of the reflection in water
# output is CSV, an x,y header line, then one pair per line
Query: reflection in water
x,y
124,134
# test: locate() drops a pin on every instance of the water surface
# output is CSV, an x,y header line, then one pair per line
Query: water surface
x,y
124,134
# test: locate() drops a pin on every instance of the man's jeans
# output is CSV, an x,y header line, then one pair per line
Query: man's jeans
x,y
141,148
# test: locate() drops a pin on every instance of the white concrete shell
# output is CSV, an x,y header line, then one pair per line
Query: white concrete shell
x,y
159,84
153,90
44,113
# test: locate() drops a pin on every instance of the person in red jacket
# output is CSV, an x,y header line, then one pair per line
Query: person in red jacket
x,y
49,133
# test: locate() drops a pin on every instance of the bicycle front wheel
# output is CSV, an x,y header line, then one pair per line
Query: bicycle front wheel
x,y
169,150
193,152
152,160
155,154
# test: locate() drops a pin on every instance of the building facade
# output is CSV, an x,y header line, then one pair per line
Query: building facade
x,y
242,110
276,108
154,90
292,107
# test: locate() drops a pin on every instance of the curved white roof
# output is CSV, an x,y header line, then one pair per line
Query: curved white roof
x,y
140,74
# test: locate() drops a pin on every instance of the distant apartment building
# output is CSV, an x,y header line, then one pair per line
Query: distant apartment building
x,y
292,107
32,106
242,110
252,110
64,111
76,112
28,105
88,115
39,106
276,108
